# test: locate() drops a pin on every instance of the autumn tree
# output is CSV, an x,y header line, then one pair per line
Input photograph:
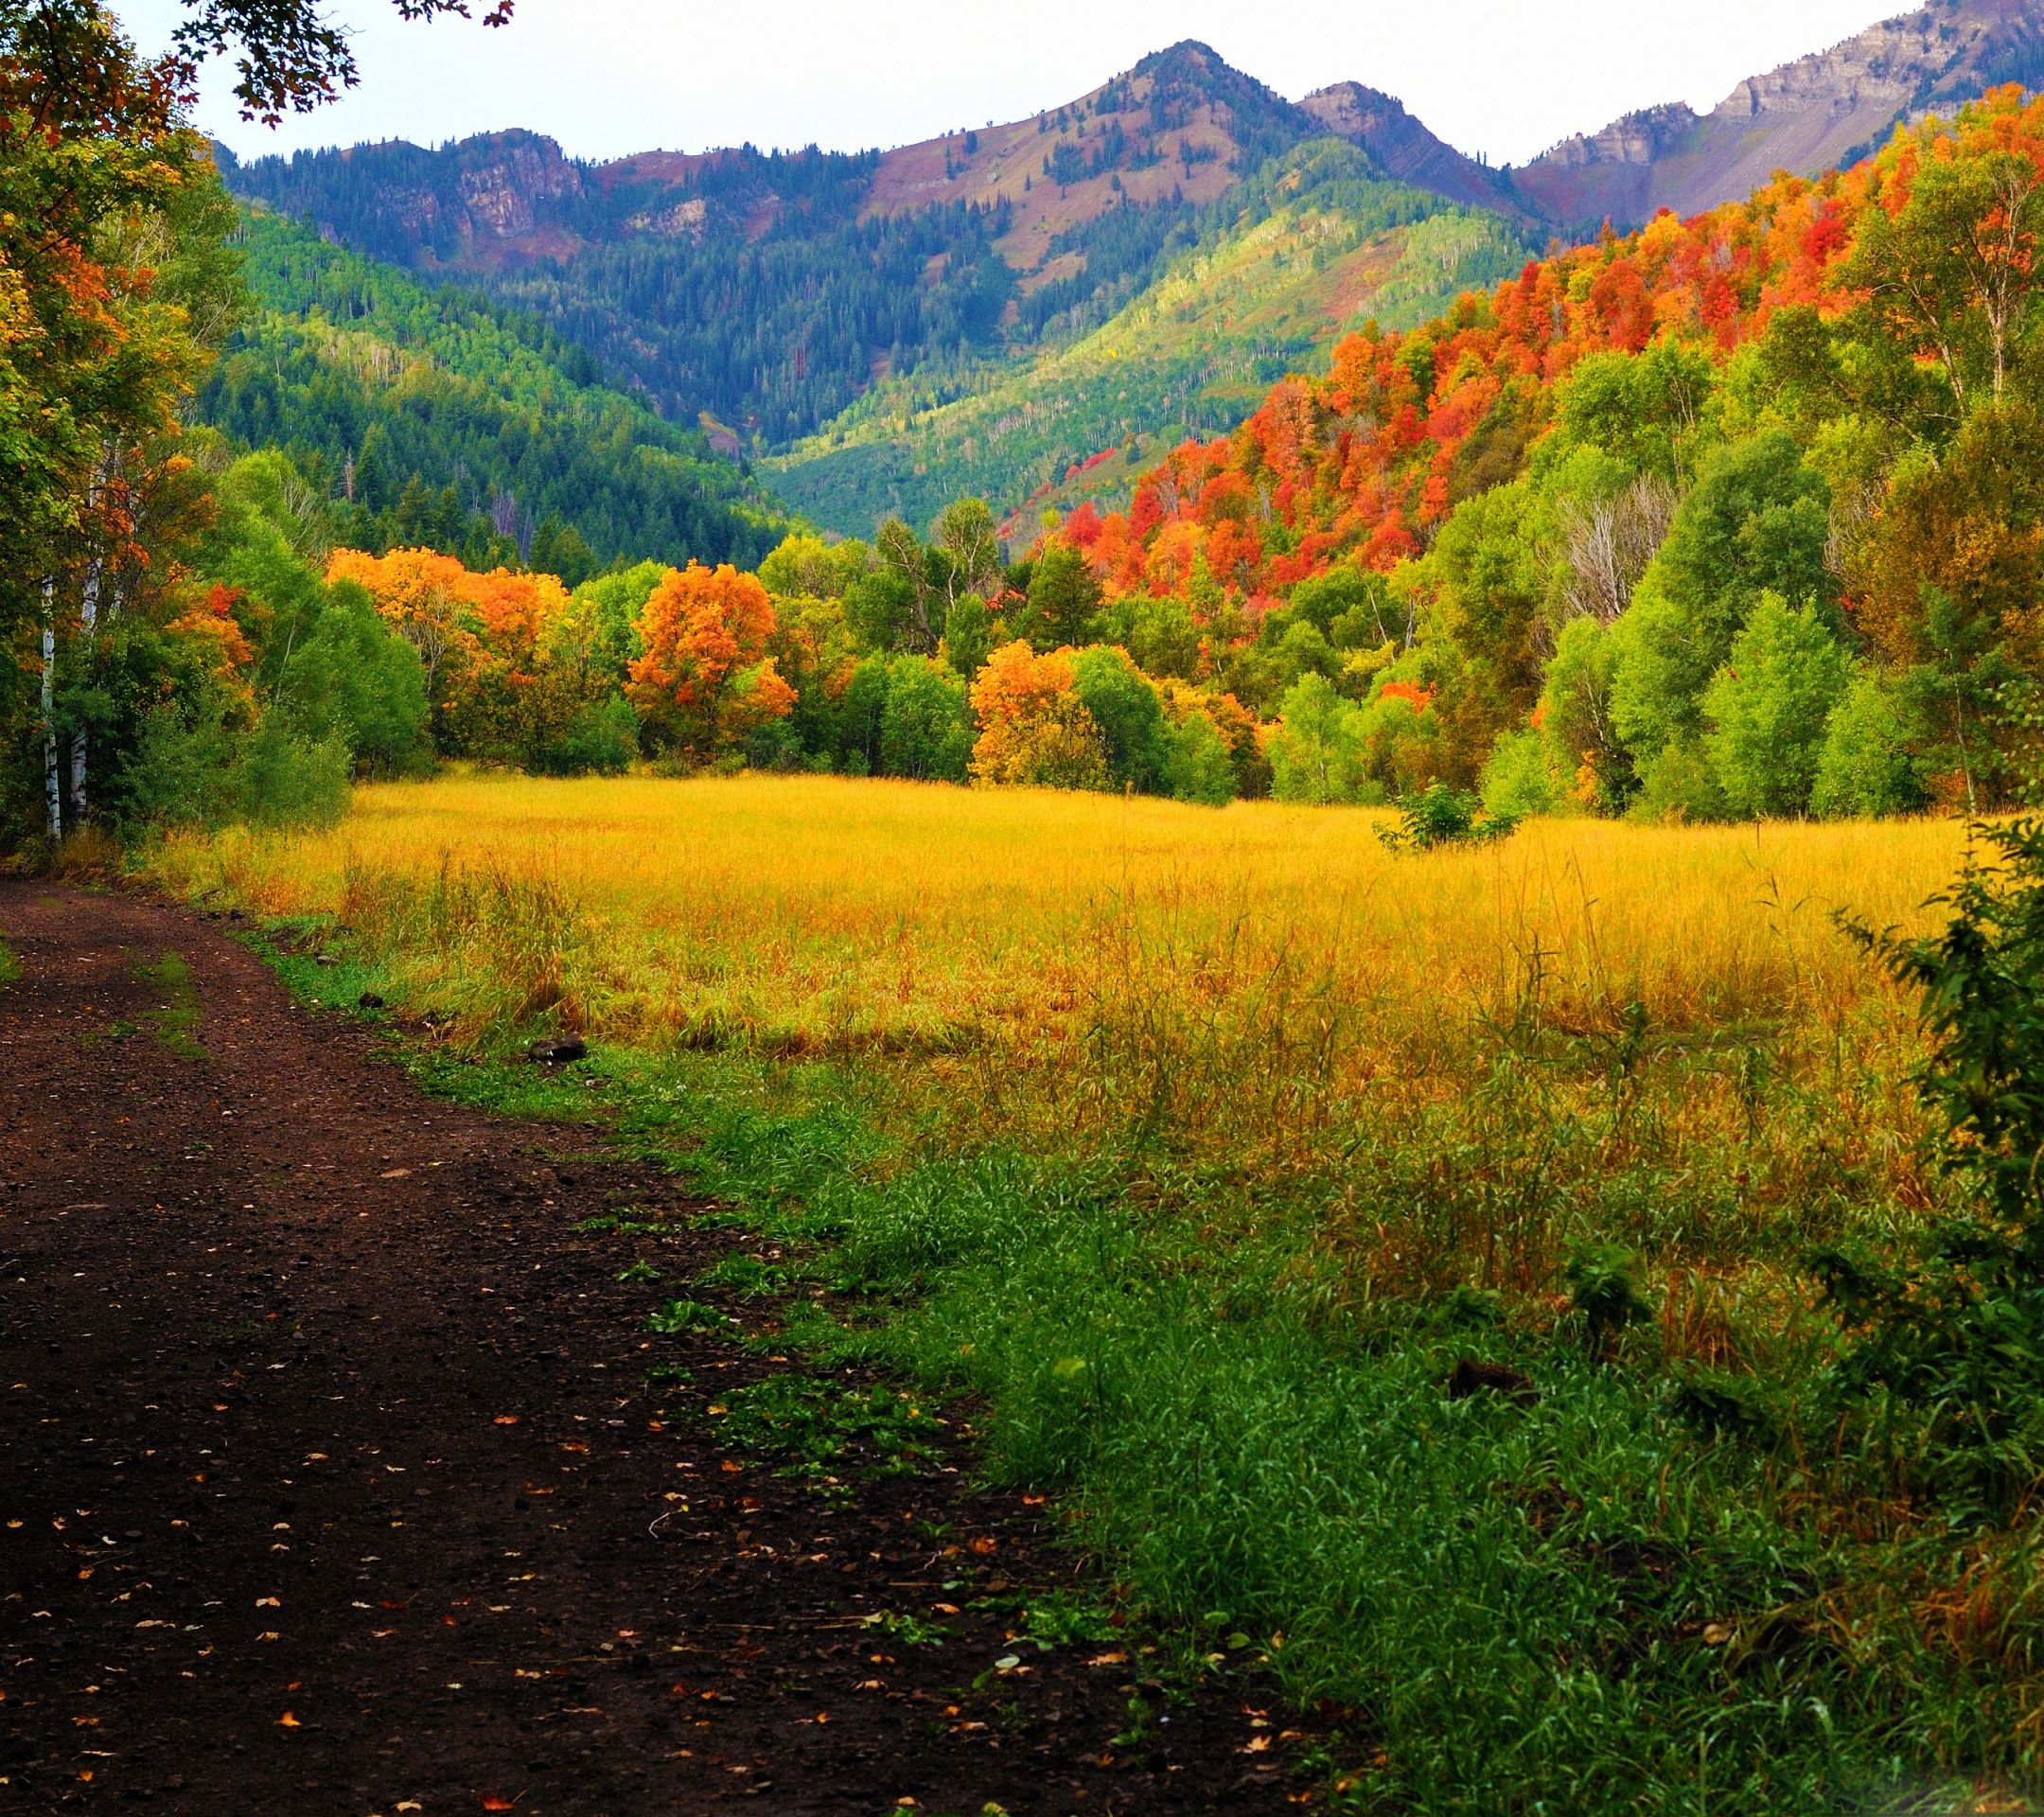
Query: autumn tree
x,y
707,677
1033,727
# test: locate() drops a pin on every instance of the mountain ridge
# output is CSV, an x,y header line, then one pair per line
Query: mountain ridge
x,y
765,297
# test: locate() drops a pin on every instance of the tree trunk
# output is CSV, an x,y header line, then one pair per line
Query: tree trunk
x,y
88,620
52,776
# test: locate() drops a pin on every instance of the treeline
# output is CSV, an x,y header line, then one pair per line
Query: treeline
x,y
932,659
1738,515
431,417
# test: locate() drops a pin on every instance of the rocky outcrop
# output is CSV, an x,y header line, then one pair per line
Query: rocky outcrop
x,y
508,179
1805,117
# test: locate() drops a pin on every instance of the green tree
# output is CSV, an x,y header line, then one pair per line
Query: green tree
x,y
1123,702
350,677
1064,593
1867,766
1756,522
1199,766
925,723
1769,705
1315,754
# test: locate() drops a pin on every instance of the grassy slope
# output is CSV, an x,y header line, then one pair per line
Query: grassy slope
x,y
1204,1147
1193,353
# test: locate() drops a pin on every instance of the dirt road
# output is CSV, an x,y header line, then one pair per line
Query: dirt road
x,y
331,1481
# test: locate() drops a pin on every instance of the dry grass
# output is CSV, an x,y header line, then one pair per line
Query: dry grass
x,y
1241,971
1315,1093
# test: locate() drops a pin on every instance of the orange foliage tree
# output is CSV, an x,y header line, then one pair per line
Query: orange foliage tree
x,y
1033,727
707,678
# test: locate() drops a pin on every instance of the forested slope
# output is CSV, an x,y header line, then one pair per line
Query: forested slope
x,y
1255,286
435,417
1687,522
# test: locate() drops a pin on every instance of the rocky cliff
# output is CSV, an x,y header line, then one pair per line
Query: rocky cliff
x,y
1817,112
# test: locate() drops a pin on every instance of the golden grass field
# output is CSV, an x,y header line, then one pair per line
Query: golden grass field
x,y
1055,958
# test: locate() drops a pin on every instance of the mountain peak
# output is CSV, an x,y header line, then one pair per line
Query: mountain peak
x,y
1403,147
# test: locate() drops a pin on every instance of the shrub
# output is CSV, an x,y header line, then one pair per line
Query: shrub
x,y
1678,783
1957,1335
602,740
1444,815
179,772
283,777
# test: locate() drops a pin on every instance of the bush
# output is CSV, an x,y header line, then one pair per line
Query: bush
x,y
1678,783
1957,1336
283,777
196,771
601,740
1444,815
178,775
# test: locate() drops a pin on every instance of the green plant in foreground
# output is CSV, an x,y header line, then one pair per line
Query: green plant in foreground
x,y
10,967
1958,1337
687,1315
909,1631
1444,815
1604,1286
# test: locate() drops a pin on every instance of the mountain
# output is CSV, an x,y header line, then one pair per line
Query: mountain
x,y
434,416
1406,152
1284,263
990,308
1822,110
767,291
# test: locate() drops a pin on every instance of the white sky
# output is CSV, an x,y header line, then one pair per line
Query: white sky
x,y
1507,78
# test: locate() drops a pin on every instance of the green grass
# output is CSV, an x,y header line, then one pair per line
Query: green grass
x,y
10,967
1603,1594
174,1020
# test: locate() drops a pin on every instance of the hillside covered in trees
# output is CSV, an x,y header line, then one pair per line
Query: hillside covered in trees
x,y
1736,515
430,416
984,312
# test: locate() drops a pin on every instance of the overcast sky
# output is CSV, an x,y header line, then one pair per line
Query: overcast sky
x,y
607,77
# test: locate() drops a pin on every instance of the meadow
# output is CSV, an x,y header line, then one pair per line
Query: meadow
x,y
1395,1264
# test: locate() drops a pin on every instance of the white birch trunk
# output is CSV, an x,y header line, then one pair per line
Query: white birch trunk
x,y
88,618
52,776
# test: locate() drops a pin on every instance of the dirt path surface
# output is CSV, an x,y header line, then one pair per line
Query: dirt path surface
x,y
331,1483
